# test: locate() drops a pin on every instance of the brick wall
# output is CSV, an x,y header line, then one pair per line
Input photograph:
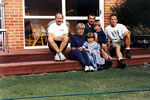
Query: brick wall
x,y
14,24
107,9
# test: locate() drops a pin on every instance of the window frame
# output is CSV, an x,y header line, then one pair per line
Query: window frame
x,y
100,17
1,13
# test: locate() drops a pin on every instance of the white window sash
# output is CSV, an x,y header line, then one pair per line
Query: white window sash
x,y
100,17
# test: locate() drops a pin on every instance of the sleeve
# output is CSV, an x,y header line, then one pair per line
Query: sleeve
x,y
72,41
123,28
85,30
50,29
104,36
65,29
106,33
98,45
85,45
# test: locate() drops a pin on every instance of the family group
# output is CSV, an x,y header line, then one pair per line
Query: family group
x,y
90,45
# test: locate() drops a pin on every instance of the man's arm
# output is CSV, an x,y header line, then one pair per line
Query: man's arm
x,y
66,34
58,38
126,33
109,42
107,38
125,30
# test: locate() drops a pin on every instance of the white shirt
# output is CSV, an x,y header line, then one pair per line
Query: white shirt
x,y
58,30
115,33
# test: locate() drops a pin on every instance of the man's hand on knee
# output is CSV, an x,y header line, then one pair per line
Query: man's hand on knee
x,y
126,34
65,38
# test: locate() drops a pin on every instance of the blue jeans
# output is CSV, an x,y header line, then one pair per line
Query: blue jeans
x,y
81,56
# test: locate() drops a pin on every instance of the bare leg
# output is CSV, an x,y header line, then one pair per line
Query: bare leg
x,y
118,51
104,54
127,39
64,43
127,43
53,44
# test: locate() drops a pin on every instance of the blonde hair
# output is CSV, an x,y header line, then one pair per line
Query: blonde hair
x,y
97,23
80,26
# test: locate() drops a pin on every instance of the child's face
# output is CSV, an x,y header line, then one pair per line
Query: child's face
x,y
90,40
97,28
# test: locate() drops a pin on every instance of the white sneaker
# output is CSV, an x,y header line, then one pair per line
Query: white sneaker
x,y
86,68
91,68
62,57
57,58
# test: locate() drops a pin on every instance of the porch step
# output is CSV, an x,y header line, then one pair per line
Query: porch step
x,y
35,67
140,51
45,54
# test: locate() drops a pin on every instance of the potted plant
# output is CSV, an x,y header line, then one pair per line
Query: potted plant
x,y
140,35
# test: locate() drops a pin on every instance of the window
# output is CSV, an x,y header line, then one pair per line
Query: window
x,y
32,32
42,8
41,13
0,13
82,7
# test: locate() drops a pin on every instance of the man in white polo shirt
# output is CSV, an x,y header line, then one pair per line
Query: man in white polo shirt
x,y
58,37
116,33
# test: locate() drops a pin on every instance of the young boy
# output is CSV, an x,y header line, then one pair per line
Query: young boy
x,y
101,39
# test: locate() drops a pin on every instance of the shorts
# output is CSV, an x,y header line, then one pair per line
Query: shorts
x,y
117,42
58,44
113,50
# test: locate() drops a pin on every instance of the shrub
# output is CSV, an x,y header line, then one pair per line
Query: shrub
x,y
133,12
139,30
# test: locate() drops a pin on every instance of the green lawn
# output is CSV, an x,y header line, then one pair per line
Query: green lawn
x,y
80,82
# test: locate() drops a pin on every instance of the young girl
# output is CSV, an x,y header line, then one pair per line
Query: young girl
x,y
93,49
103,43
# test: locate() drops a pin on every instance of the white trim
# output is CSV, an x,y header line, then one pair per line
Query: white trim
x,y
39,17
35,47
101,9
64,10
23,3
53,17
3,30
79,18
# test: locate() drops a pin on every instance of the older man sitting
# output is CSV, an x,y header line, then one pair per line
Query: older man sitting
x,y
58,37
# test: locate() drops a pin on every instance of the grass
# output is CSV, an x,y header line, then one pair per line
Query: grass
x,y
80,82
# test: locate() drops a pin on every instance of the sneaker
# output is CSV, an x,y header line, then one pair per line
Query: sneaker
x,y
100,67
122,64
62,57
86,69
128,54
109,63
91,68
57,58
